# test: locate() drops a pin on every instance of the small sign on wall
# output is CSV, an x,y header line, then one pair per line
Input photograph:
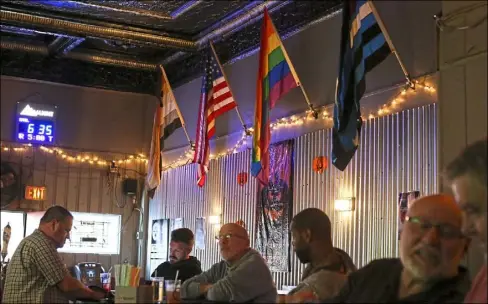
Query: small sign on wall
x,y
35,193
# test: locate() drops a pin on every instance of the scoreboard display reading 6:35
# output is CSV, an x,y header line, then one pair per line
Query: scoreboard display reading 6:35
x,y
35,123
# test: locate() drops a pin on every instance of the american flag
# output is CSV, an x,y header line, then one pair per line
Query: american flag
x,y
215,99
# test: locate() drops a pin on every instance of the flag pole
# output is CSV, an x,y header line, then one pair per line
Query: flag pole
x,y
176,104
228,85
294,73
390,43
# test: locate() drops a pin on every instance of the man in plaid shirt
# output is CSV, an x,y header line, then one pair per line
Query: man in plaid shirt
x,y
36,273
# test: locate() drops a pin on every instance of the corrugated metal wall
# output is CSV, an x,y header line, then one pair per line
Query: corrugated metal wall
x,y
397,154
84,188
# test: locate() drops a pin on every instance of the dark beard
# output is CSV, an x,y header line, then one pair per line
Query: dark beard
x,y
303,255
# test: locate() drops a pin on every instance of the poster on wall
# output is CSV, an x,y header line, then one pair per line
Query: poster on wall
x,y
274,208
159,243
200,233
176,223
405,199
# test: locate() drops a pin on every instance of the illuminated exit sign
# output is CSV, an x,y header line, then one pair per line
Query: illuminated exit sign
x,y
35,193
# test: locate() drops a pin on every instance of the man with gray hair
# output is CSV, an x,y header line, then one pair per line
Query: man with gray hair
x,y
467,175
242,276
36,273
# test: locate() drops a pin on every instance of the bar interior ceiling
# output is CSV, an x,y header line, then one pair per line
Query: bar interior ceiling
x,y
133,37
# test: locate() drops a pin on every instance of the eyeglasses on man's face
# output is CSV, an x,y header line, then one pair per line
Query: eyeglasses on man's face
x,y
227,237
446,231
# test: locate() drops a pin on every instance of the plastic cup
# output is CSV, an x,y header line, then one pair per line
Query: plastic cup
x,y
105,279
172,288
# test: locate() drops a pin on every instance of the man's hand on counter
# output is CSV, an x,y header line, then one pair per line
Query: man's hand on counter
x,y
97,295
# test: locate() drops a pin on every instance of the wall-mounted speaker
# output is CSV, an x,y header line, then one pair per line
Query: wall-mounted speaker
x,y
129,186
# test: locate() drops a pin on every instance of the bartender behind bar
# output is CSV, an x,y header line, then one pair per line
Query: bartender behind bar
x,y
36,273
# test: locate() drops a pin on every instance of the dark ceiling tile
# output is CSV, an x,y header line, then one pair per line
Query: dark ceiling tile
x,y
192,19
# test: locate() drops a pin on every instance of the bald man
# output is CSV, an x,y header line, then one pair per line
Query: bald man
x,y
431,248
242,276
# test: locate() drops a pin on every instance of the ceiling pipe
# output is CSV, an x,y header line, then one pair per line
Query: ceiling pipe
x,y
27,32
63,45
81,5
29,11
76,55
79,29
252,11
185,8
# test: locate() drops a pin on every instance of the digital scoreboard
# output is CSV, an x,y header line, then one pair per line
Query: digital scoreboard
x,y
35,123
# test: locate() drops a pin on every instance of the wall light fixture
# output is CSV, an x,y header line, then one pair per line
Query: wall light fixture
x,y
344,204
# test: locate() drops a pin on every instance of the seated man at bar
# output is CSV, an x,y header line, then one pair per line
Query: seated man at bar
x,y
36,273
180,247
431,248
327,267
242,276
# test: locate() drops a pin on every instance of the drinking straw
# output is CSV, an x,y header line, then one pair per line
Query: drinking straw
x,y
138,271
117,275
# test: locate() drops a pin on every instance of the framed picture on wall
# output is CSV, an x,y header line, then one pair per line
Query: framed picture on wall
x,y
176,223
200,233
159,242
405,200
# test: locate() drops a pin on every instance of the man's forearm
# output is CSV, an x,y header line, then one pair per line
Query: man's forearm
x,y
75,289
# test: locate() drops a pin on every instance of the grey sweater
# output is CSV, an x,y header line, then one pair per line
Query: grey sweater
x,y
247,280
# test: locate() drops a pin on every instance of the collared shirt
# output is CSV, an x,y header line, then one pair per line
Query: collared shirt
x,y
379,281
34,271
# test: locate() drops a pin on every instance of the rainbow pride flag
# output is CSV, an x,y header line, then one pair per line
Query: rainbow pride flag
x,y
276,77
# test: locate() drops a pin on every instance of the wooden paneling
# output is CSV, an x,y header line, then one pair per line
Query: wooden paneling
x,y
84,188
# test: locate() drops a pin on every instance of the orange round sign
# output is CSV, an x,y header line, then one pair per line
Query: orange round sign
x,y
320,164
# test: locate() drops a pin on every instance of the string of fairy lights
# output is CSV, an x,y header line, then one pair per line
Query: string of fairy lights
x,y
73,157
392,106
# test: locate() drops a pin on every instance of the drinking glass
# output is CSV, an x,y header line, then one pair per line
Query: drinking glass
x,y
157,283
172,288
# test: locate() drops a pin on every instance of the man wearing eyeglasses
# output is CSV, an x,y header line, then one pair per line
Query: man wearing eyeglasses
x,y
242,276
431,248
467,175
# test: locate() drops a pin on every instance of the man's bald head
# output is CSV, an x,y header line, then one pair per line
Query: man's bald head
x,y
235,229
440,206
234,242
431,244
